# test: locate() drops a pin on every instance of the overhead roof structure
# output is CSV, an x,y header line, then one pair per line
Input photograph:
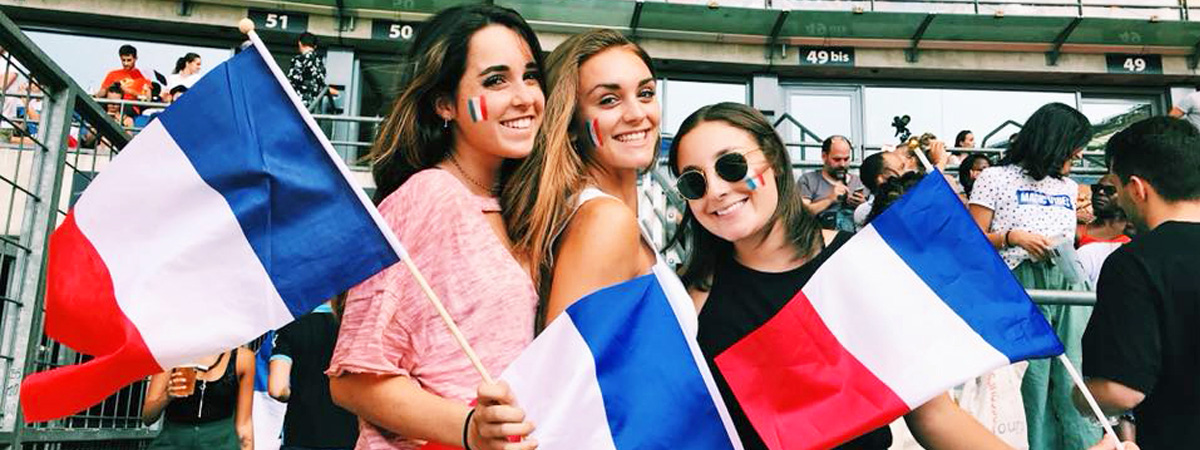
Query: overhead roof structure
x,y
1070,26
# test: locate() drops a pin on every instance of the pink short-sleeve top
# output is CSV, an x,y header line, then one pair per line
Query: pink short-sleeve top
x,y
390,328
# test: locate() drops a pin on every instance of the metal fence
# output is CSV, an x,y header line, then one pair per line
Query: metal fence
x,y
53,139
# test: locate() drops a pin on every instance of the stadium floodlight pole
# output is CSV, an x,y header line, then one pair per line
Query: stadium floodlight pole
x,y
246,26
1087,394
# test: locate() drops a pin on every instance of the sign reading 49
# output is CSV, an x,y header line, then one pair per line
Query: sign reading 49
x,y
1134,64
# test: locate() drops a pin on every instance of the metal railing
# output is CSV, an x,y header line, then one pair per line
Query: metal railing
x,y
53,139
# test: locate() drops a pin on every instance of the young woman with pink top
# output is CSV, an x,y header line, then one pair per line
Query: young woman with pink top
x,y
473,101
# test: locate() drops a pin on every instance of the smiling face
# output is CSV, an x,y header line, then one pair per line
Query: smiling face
x,y
618,109
729,210
192,67
498,106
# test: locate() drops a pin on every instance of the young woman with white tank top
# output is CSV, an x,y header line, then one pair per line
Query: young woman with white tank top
x,y
574,217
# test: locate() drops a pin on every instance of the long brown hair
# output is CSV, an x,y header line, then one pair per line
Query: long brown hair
x,y
705,248
538,206
413,137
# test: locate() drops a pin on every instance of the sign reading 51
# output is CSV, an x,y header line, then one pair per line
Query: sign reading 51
x,y
290,22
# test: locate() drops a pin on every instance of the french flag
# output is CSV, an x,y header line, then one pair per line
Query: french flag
x,y
620,369
226,217
912,305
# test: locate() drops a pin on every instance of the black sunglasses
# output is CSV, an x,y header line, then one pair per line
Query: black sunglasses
x,y
731,167
1104,189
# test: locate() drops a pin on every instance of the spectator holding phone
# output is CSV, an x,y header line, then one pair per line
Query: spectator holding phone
x,y
832,193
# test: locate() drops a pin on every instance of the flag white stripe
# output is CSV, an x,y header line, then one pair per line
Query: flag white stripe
x,y
560,360
147,219
685,310
905,335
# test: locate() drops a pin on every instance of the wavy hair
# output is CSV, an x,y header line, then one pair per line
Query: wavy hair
x,y
538,207
1047,141
705,248
413,137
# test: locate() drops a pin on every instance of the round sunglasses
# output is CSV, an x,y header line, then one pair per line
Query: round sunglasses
x,y
731,167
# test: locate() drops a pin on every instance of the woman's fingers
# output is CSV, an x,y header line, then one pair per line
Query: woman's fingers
x,y
495,394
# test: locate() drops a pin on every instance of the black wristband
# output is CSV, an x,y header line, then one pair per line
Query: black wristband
x,y
1006,243
467,429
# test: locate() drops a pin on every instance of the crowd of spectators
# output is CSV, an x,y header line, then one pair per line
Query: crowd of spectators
x,y
1054,234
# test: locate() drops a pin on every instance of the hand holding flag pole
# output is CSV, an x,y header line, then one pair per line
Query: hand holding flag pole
x,y
246,26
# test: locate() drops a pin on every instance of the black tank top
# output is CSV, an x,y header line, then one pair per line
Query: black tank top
x,y
211,401
740,297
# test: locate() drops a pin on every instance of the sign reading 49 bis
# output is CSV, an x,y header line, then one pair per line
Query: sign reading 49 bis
x,y
826,56
286,21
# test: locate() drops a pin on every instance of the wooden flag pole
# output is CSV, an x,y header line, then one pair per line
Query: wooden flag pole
x,y
246,26
1108,430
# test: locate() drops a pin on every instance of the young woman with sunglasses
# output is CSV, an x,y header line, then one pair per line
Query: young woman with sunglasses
x,y
473,101
750,239
574,213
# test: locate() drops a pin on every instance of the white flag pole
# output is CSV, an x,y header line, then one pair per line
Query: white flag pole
x,y
247,27
1108,430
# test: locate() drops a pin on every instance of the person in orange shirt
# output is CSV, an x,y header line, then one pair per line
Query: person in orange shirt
x,y
133,84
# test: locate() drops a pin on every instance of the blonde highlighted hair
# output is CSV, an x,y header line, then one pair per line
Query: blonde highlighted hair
x,y
540,199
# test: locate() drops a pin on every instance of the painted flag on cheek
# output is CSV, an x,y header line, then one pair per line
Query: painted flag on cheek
x,y
478,108
883,321
756,181
593,128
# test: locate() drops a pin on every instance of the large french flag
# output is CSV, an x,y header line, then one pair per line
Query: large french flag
x,y
226,217
620,369
913,304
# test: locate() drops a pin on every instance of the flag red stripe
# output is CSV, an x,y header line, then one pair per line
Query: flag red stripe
x,y
799,387
82,312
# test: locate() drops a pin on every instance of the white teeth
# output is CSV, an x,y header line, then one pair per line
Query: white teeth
x,y
518,124
731,208
630,137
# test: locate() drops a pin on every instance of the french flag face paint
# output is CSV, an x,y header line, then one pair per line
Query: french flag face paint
x,y
593,129
756,181
478,107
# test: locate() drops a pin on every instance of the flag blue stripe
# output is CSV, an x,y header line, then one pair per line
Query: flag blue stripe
x,y
654,395
932,232
248,141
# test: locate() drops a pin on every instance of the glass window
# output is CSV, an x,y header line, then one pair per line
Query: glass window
x,y
823,112
681,98
1111,115
944,112
88,59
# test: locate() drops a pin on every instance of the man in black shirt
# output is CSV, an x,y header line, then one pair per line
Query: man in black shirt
x,y
1141,350
298,361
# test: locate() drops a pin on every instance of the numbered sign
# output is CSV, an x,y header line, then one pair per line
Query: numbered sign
x,y
286,21
393,31
826,56
1135,64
